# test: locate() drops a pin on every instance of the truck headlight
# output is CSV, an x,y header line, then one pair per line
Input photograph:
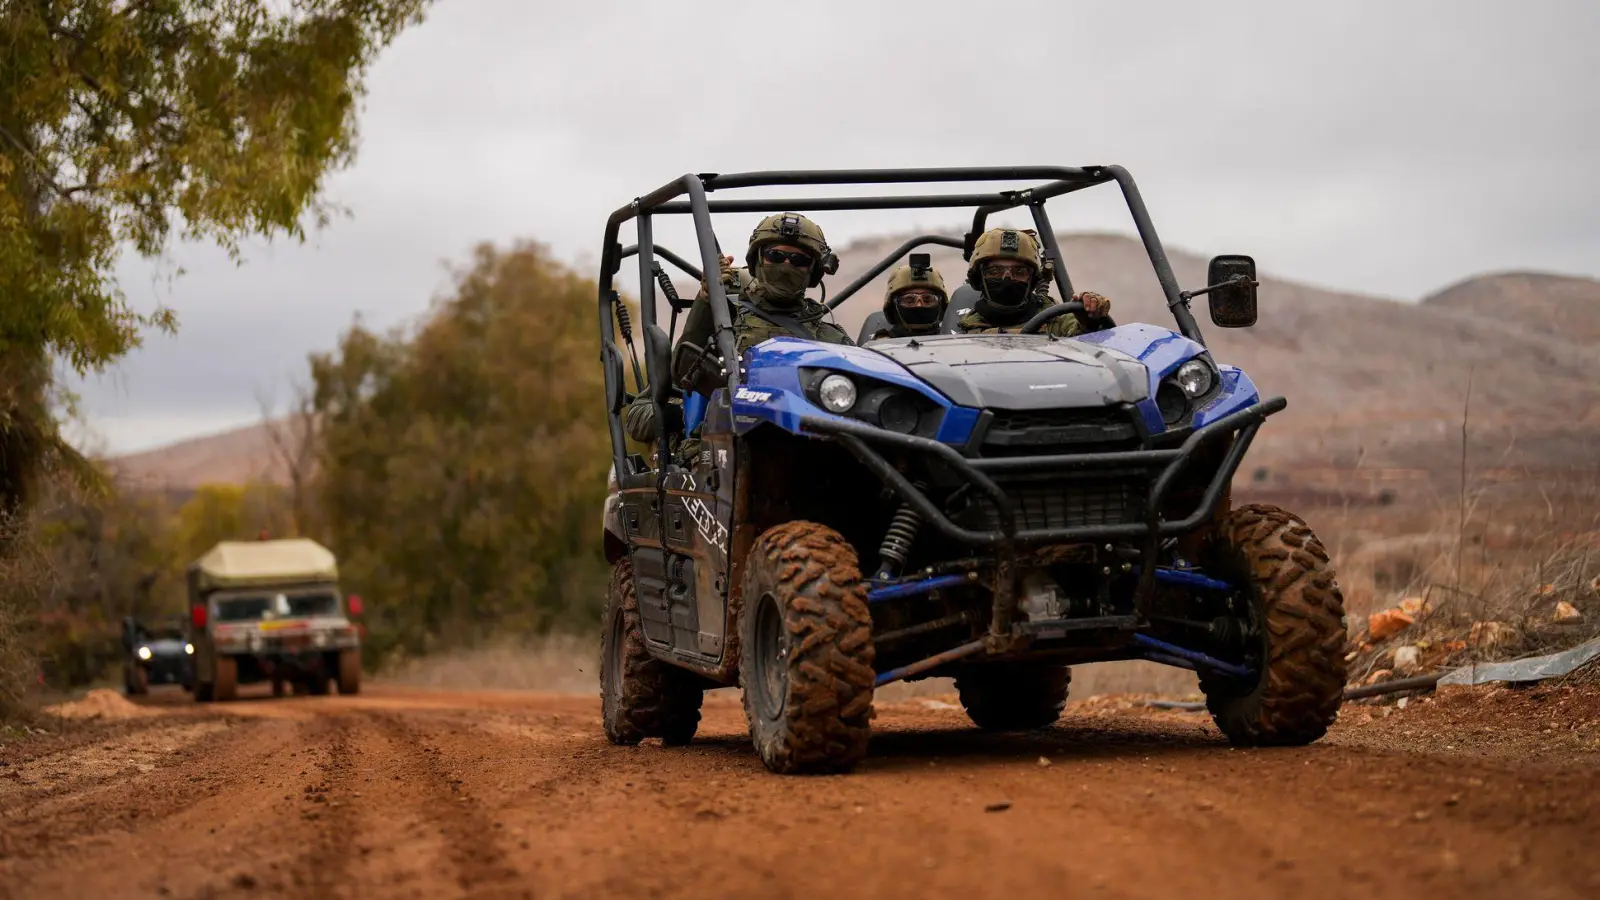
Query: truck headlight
x,y
837,393
1194,377
189,649
144,652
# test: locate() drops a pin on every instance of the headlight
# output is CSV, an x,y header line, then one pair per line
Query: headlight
x,y
837,393
144,652
189,649
1194,377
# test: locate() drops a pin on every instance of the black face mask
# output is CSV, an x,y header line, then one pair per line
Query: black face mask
x,y
918,316
1005,293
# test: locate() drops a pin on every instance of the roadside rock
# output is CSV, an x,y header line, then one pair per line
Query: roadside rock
x,y
1565,613
1387,623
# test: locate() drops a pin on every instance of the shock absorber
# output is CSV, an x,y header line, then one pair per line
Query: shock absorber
x,y
625,325
896,546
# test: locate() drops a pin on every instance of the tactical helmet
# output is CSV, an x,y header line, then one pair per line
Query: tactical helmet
x,y
1003,243
906,277
795,229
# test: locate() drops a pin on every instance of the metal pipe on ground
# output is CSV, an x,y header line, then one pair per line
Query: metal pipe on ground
x,y
1419,683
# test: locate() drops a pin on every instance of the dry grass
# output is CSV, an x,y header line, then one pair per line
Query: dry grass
x,y
558,663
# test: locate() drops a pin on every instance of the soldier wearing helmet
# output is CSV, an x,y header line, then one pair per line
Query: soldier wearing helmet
x,y
914,303
787,254
1007,272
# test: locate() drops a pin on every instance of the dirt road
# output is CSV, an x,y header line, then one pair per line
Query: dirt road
x,y
409,793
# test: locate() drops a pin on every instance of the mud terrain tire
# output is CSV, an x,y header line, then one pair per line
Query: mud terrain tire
x,y
349,671
226,687
1014,696
641,696
1299,612
806,663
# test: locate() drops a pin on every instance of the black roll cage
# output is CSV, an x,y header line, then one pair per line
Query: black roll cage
x,y
1057,181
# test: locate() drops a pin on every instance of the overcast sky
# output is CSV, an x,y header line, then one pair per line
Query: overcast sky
x,y
1384,147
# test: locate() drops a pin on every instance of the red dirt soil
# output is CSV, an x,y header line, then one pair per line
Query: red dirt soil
x,y
1481,792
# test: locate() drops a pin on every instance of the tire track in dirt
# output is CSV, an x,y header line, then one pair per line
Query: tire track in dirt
x,y
221,820
438,792
427,794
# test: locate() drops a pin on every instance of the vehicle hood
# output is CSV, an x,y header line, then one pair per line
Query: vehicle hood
x,y
1020,371
165,647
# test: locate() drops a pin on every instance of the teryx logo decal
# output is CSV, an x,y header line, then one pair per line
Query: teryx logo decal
x,y
752,396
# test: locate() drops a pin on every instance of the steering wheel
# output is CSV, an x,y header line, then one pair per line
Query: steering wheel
x,y
1048,315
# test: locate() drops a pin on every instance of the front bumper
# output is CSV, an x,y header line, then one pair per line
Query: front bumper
x,y
1157,472
287,645
163,670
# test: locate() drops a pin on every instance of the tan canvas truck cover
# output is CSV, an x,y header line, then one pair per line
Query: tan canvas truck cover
x,y
245,564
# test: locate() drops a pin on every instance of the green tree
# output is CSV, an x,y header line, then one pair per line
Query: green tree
x,y
121,120
463,465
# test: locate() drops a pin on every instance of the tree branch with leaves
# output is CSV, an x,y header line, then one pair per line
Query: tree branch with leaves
x,y
121,122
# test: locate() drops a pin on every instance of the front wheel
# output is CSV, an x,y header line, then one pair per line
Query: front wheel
x,y
349,671
137,682
807,656
226,687
641,696
1297,626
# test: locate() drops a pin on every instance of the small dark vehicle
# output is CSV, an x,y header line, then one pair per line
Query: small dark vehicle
x,y
158,652
1018,503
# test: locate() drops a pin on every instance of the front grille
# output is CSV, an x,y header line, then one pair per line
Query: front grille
x,y
1036,432
1060,503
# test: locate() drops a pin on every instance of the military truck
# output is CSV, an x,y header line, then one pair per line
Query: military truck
x,y
271,610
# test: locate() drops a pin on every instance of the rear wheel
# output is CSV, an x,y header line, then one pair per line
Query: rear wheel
x,y
1018,696
641,696
807,656
226,687
349,671
1298,631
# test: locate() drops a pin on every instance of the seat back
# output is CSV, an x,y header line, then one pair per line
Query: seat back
x,y
874,322
962,301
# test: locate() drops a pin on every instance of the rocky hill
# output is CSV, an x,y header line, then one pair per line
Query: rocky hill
x,y
1369,379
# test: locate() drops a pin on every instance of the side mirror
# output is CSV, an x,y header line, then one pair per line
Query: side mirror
x,y
1232,299
353,603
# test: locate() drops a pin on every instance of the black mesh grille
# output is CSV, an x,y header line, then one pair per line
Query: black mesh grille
x,y
1046,431
1065,504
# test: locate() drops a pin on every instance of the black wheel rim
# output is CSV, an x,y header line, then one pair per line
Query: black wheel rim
x,y
771,652
609,672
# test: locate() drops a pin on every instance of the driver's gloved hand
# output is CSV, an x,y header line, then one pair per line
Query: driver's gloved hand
x,y
1095,306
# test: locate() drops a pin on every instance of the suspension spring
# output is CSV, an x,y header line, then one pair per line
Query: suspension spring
x,y
667,287
624,322
896,546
